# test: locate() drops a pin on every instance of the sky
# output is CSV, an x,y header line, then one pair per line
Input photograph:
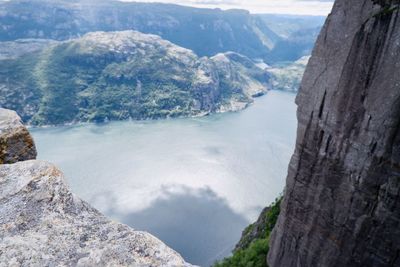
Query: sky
x,y
299,7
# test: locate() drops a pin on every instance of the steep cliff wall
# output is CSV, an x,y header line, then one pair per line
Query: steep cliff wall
x,y
342,199
43,224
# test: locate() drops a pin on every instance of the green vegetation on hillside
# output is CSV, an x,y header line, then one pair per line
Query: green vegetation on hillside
x,y
288,77
121,75
252,249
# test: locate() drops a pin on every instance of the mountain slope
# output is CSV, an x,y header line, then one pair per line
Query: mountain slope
x,y
286,25
120,75
252,248
297,45
205,31
15,49
298,35
288,77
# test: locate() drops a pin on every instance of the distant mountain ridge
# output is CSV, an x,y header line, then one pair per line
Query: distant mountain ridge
x,y
121,75
205,31
49,75
298,34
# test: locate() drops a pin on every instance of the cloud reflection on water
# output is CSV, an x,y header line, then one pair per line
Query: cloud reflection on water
x,y
195,222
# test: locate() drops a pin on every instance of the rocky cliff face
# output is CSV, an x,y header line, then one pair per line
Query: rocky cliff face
x,y
342,199
43,224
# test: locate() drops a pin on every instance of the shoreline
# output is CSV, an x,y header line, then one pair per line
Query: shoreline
x,y
201,115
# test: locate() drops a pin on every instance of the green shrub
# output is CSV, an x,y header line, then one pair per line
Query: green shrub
x,y
255,254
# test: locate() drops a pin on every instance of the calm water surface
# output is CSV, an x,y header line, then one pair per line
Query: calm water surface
x,y
194,183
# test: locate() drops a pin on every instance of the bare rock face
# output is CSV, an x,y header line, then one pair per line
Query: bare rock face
x,y
43,224
16,144
342,199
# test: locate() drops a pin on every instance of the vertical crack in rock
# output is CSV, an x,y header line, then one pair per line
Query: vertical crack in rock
x,y
342,199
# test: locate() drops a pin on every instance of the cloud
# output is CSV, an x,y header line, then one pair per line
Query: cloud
x,y
295,7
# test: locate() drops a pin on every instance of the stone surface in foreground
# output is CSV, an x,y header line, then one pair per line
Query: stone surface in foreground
x,y
43,224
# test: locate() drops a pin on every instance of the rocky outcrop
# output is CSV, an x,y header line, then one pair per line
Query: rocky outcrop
x,y
16,144
43,224
342,199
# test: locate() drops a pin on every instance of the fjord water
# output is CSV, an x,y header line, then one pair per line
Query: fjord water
x,y
195,183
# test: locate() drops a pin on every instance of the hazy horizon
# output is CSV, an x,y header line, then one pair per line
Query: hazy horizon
x,y
283,7
289,7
